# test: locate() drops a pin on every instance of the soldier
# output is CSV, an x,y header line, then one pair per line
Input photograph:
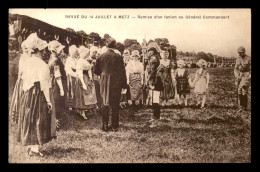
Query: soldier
x,y
242,73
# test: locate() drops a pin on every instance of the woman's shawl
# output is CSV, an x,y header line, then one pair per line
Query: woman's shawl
x,y
70,65
36,70
22,61
81,65
134,67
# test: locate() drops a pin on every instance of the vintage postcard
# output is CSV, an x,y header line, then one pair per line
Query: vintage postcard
x,y
129,85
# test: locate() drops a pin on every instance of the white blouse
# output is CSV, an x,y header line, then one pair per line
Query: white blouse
x,y
35,69
134,67
82,64
165,63
22,61
180,71
69,65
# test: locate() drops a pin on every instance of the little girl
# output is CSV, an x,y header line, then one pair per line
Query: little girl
x,y
201,82
182,81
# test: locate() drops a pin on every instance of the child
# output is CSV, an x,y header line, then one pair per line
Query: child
x,y
182,81
201,82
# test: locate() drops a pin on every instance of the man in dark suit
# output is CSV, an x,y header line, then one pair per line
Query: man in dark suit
x,y
110,67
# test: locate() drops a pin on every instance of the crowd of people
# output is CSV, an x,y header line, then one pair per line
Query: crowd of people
x,y
88,80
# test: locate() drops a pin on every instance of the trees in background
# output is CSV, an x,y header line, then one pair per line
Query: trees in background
x,y
96,39
132,44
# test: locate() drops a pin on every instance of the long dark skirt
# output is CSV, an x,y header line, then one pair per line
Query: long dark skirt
x,y
183,85
16,100
125,97
59,101
135,85
71,88
85,99
53,115
34,124
168,88
97,87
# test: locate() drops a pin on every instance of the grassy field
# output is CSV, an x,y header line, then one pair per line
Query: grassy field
x,y
217,134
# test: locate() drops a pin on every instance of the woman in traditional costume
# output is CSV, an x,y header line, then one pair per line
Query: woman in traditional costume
x,y
134,75
165,73
58,80
154,81
70,68
125,95
201,83
85,87
34,124
182,80
96,79
17,93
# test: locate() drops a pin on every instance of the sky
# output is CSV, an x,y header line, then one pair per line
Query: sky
x,y
217,36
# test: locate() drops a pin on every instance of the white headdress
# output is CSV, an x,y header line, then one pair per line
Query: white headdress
x,y
93,49
180,62
72,49
135,53
202,62
84,52
81,49
23,45
33,42
55,46
103,49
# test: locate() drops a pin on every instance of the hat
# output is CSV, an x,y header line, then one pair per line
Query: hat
x,y
81,49
84,52
135,53
93,49
201,62
180,62
23,45
103,50
241,49
72,49
34,42
154,46
111,42
55,46
99,51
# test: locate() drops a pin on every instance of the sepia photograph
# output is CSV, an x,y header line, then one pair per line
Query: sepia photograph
x,y
129,85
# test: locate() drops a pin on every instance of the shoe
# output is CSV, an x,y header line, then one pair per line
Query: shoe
x,y
151,120
58,124
162,118
28,151
115,129
32,153
83,115
153,125
240,109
